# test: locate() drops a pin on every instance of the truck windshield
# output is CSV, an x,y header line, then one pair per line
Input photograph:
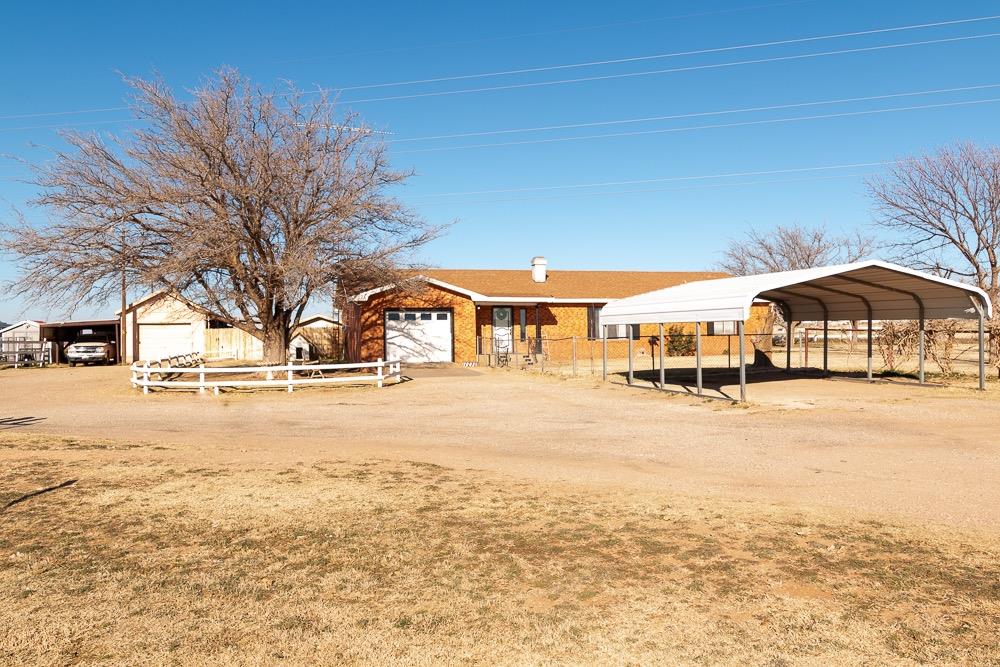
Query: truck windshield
x,y
92,338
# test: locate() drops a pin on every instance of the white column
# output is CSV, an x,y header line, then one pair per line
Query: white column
x,y
662,379
743,366
697,355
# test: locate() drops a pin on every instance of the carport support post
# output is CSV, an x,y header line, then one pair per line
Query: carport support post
x,y
788,341
697,355
982,349
662,379
604,353
743,366
629,332
871,359
920,349
826,345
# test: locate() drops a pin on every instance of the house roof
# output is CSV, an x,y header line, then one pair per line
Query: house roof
x,y
517,284
11,327
863,290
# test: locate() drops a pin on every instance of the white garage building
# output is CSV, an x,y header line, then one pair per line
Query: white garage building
x,y
160,325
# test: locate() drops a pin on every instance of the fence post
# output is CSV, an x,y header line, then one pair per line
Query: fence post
x,y
574,356
135,376
541,350
380,372
201,379
145,386
291,387
604,354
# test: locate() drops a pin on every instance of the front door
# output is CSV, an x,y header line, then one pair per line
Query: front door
x,y
503,332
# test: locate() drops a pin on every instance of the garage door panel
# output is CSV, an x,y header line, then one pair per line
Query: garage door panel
x,y
159,341
418,336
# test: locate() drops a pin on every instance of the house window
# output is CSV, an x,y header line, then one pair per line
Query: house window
x,y
523,317
726,328
623,331
594,321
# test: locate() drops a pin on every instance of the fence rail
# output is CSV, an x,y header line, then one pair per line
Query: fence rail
x,y
25,352
147,375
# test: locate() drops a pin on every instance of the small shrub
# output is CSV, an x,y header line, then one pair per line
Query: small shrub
x,y
679,343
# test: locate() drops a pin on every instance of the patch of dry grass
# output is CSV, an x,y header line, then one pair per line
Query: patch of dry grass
x,y
342,562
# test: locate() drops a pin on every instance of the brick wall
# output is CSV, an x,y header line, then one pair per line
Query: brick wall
x,y
366,322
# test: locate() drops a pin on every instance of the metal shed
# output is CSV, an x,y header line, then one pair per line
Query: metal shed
x,y
869,290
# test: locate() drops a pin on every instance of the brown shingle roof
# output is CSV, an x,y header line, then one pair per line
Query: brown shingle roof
x,y
565,284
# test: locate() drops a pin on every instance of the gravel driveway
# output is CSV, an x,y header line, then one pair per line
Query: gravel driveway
x,y
886,451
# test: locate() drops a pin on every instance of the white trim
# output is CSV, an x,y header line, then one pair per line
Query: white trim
x,y
11,327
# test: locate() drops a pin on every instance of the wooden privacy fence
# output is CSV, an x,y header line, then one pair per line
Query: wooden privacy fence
x,y
170,376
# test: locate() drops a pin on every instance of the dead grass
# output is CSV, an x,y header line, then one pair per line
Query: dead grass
x,y
145,561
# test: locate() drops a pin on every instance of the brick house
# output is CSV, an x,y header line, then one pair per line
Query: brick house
x,y
465,315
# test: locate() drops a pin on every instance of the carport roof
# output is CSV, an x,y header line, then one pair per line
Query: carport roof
x,y
843,292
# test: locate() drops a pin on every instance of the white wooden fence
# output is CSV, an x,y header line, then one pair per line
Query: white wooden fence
x,y
168,374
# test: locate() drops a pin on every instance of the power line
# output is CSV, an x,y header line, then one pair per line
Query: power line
x,y
615,193
544,33
665,179
660,56
58,126
672,70
592,63
646,119
691,128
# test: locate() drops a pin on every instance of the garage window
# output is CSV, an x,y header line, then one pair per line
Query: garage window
x,y
410,316
392,316
442,316
425,316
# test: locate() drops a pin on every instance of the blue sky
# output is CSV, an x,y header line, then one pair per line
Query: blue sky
x,y
66,57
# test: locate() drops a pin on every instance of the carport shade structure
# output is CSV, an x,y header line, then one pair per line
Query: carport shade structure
x,y
869,290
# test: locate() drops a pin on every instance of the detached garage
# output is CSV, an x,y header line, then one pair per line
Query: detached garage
x,y
160,326
419,336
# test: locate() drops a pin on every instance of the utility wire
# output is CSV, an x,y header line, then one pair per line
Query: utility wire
x,y
691,68
691,128
615,193
647,119
734,174
544,33
591,63
661,56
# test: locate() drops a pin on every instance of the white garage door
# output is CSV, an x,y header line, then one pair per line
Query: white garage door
x,y
418,336
159,341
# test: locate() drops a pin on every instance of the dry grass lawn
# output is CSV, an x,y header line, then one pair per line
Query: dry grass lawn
x,y
146,560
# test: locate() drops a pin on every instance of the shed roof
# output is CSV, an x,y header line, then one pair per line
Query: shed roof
x,y
844,292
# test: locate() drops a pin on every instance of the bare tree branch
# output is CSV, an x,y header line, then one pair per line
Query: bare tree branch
x,y
245,208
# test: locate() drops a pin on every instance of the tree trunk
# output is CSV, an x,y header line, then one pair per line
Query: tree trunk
x,y
276,342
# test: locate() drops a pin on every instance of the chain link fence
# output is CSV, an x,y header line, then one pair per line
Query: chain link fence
x,y
950,349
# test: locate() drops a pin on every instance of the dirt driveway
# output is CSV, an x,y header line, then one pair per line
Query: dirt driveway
x,y
889,451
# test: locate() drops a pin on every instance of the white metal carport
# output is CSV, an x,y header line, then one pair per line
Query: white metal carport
x,y
869,290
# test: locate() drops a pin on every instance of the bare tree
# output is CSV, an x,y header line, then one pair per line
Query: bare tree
x,y
787,248
945,210
244,202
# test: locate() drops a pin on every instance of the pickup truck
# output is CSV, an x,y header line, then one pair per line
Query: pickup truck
x,y
92,348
